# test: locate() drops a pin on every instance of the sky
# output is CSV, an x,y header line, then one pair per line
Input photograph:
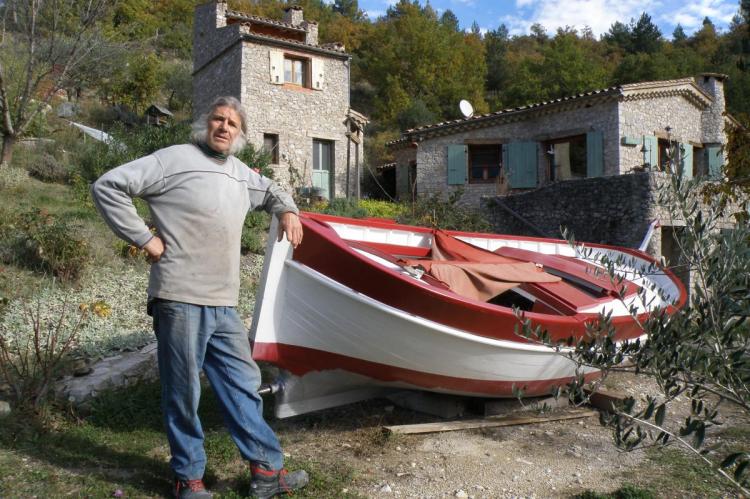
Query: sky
x,y
518,15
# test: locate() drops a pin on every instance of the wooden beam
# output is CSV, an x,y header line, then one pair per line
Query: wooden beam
x,y
489,422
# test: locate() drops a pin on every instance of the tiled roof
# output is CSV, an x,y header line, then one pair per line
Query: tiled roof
x,y
683,86
296,43
242,17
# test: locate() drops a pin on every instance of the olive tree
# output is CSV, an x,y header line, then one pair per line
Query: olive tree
x,y
41,44
700,352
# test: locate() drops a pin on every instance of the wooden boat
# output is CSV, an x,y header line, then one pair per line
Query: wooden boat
x,y
364,305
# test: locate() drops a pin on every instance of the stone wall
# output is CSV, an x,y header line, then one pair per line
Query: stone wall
x,y
651,116
432,153
610,210
296,114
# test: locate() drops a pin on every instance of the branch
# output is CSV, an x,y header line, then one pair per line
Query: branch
x,y
689,447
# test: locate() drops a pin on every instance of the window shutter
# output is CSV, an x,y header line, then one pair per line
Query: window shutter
x,y
651,151
522,160
715,160
316,73
457,164
277,66
686,161
594,154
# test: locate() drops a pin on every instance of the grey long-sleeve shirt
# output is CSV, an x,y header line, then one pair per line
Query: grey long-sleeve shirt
x,y
198,206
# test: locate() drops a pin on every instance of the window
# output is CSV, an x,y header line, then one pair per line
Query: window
x,y
567,157
271,147
295,71
484,162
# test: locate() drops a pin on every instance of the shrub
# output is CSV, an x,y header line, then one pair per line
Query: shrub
x,y
43,242
341,207
48,169
383,209
11,177
254,232
33,352
440,214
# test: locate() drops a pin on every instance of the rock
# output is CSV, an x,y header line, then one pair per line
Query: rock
x,y
385,489
461,493
4,408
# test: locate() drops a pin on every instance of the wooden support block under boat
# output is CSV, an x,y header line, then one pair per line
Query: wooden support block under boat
x,y
490,422
605,400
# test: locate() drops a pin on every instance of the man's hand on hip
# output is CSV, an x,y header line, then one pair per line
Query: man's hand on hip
x,y
290,225
154,248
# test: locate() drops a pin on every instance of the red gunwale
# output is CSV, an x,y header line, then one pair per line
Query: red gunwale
x,y
324,251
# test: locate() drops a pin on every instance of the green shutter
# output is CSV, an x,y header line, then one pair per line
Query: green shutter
x,y
715,160
651,151
594,154
458,168
686,161
522,160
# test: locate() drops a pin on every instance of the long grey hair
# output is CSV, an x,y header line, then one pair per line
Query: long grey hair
x,y
200,126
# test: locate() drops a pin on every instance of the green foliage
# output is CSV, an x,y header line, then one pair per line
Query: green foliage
x,y
47,168
383,209
254,232
438,213
257,159
341,207
140,83
699,352
45,243
93,158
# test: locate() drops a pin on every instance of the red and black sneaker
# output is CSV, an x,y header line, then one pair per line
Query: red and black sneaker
x,y
270,483
191,489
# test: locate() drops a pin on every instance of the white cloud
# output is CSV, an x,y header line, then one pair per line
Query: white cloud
x,y
691,15
599,15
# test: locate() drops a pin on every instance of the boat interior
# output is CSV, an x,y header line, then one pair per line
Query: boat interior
x,y
550,282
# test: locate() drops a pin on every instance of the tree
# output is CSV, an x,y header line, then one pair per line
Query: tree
x,y
449,20
45,42
699,352
678,35
348,8
646,36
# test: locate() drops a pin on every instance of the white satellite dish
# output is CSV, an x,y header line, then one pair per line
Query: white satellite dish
x,y
466,108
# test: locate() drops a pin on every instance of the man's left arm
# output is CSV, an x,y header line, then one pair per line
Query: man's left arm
x,y
278,202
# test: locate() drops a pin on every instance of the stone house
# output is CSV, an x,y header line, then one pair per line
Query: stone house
x,y
593,163
599,133
295,92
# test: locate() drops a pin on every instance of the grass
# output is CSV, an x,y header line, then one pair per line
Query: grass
x,y
121,446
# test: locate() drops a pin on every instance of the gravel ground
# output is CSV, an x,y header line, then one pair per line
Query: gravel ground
x,y
553,459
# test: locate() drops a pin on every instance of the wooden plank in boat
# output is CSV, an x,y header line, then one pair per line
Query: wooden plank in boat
x,y
489,422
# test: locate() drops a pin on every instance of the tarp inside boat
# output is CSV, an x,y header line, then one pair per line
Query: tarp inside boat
x,y
476,273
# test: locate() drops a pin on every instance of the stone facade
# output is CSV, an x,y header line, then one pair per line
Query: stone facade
x,y
245,56
630,120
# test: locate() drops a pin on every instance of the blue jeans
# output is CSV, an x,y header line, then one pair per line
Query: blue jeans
x,y
195,337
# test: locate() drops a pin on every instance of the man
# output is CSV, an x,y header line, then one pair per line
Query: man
x,y
198,195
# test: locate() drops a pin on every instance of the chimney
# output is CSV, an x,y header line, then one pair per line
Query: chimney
x,y
293,15
712,120
311,32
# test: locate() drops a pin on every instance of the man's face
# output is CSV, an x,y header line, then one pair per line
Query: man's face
x,y
224,125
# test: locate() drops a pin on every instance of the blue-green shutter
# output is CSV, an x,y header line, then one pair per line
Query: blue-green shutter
x,y
521,159
715,160
651,151
458,168
594,154
686,161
